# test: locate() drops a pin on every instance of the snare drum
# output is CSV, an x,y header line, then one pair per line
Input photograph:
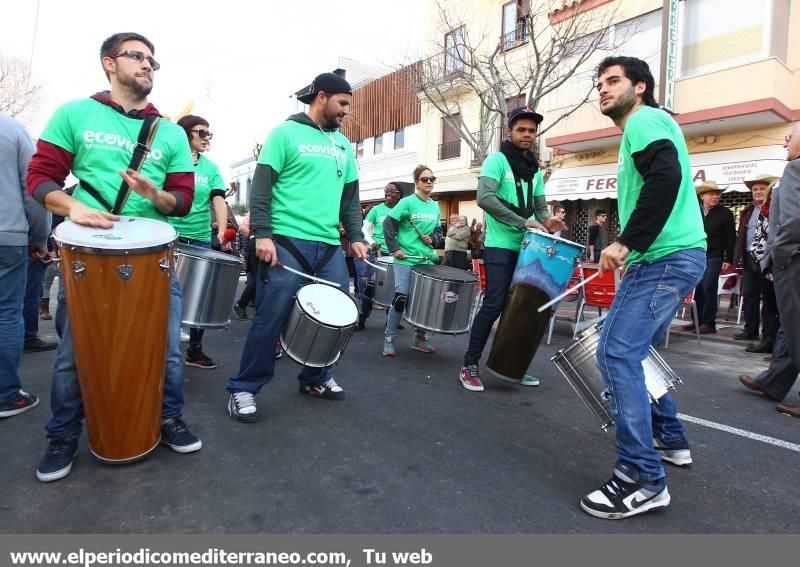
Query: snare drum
x,y
441,299
544,268
578,364
320,324
208,280
117,283
384,281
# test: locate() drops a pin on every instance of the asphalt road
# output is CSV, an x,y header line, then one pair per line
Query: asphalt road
x,y
411,451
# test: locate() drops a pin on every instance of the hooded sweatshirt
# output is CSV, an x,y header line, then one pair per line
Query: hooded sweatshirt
x,y
305,184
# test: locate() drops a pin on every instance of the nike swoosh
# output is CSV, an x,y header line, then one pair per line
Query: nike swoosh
x,y
635,503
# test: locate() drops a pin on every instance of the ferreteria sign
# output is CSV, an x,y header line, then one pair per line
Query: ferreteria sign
x,y
669,55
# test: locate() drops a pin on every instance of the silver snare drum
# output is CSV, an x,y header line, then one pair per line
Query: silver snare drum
x,y
384,282
578,364
441,299
320,324
208,280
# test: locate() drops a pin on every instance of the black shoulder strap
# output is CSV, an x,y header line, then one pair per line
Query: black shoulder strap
x,y
292,249
146,136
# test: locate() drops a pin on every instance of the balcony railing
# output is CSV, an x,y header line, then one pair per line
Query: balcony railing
x,y
515,37
449,65
450,150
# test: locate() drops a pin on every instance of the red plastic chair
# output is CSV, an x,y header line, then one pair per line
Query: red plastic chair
x,y
598,293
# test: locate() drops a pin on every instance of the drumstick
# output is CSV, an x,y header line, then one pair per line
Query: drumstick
x,y
418,257
415,228
305,275
566,293
376,266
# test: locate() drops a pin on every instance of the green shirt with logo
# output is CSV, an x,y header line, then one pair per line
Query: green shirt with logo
x,y
197,224
425,215
500,234
684,227
101,141
376,215
307,194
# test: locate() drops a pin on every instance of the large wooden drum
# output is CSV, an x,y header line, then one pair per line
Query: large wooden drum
x,y
117,282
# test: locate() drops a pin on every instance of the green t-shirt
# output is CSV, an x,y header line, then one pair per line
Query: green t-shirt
x,y
102,139
376,215
307,195
197,224
425,215
684,227
500,234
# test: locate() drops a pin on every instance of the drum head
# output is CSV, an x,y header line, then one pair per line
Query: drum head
x,y
206,254
128,233
445,273
553,237
328,305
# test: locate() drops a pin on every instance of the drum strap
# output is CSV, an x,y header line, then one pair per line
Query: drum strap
x,y
292,249
525,208
146,136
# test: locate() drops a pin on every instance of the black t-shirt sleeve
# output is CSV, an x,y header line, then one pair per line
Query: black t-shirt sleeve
x,y
659,167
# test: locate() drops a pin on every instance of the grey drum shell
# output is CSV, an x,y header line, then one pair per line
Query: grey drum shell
x,y
208,280
441,299
578,364
311,342
384,282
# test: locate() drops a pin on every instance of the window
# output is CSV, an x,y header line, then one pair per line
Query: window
x,y
378,147
454,51
515,23
717,34
400,139
451,139
360,149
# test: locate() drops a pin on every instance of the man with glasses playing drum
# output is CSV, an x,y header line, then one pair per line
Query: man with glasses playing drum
x,y
304,185
94,138
511,191
662,245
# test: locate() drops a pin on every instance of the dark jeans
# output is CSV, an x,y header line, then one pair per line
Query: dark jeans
x,y
777,380
706,292
769,312
456,259
33,298
751,295
13,271
249,291
499,264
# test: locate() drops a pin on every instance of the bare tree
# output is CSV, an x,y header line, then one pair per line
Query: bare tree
x,y
471,62
17,93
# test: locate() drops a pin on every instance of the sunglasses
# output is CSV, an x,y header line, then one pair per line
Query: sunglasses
x,y
138,56
430,179
204,134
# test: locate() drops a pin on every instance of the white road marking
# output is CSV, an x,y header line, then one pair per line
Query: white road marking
x,y
741,432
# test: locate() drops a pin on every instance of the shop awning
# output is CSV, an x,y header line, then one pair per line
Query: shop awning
x,y
728,168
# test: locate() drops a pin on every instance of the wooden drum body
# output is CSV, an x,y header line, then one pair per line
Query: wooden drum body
x,y
117,283
544,268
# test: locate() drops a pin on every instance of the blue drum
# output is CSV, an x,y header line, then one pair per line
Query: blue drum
x,y
544,268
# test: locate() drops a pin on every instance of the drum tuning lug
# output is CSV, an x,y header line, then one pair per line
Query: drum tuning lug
x,y
551,251
125,272
164,264
79,269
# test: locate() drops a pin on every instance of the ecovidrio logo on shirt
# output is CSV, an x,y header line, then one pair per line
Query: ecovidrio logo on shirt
x,y
321,150
115,142
424,216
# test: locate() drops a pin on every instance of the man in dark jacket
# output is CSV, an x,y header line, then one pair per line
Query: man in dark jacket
x,y
721,236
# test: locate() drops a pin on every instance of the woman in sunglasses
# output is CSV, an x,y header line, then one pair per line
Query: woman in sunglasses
x,y
412,230
195,228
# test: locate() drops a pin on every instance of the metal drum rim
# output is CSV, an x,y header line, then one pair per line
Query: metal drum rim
x,y
429,277
558,238
217,257
114,251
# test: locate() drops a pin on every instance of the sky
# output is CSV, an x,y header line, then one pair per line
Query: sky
x,y
238,61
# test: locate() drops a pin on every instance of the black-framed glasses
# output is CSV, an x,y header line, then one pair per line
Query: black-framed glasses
x,y
204,134
430,179
138,56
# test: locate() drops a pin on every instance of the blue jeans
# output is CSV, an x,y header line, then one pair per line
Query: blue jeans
x,y
645,303
33,298
13,271
195,333
279,287
65,392
402,280
499,264
706,294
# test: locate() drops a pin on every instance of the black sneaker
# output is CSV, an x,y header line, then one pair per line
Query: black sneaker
x,y
198,359
21,402
360,326
38,345
330,390
624,495
176,435
58,459
240,312
242,406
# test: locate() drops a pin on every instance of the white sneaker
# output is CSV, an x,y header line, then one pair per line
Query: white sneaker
x,y
184,336
242,406
528,380
678,457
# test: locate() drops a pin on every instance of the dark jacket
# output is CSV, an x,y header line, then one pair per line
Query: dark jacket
x,y
720,233
741,235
